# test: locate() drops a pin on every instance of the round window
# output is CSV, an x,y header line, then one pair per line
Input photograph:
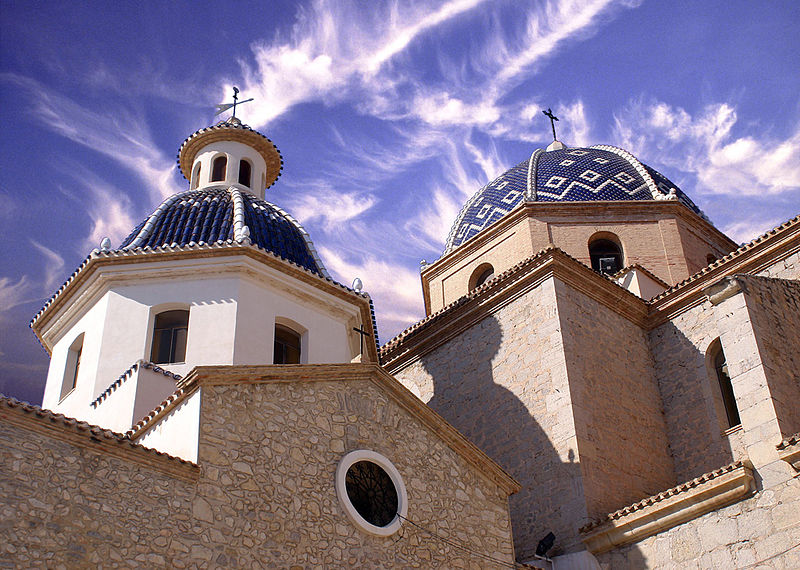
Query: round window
x,y
371,491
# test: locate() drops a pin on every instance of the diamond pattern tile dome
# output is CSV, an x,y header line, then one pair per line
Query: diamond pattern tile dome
x,y
596,173
219,214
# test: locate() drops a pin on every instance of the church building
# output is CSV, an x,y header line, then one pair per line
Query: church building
x,y
603,379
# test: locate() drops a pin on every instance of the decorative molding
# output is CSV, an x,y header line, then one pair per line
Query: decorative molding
x,y
725,288
789,451
670,508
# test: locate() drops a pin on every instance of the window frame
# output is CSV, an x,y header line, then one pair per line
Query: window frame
x,y
155,342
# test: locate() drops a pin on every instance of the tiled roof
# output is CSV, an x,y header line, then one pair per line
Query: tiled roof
x,y
127,374
218,214
479,291
154,412
682,488
84,428
597,173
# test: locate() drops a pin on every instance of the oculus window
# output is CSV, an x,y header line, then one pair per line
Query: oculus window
x,y
606,256
372,492
169,337
287,346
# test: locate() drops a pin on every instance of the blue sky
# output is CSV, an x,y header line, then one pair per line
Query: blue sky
x,y
388,115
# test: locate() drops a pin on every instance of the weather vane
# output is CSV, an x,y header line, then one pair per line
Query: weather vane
x,y
221,108
553,120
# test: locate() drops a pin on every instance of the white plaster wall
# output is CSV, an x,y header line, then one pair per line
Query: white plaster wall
x,y
90,322
235,151
115,412
325,339
177,432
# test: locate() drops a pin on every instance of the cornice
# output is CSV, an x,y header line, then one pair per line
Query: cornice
x,y
202,376
670,508
74,288
87,436
753,257
588,212
476,305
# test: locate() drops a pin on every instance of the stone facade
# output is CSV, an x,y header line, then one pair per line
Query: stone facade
x,y
262,494
607,399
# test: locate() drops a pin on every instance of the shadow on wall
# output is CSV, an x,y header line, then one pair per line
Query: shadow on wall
x,y
499,422
692,401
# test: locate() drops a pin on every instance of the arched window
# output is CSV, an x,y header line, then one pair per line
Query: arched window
x,y
719,365
481,275
73,366
196,175
169,337
606,256
218,168
287,346
244,173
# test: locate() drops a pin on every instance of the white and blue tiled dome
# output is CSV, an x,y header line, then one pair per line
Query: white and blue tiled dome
x,y
597,173
226,214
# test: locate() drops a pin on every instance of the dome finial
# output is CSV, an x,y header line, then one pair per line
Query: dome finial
x,y
553,120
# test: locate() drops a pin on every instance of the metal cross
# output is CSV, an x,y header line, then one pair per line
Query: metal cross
x,y
553,120
360,330
221,108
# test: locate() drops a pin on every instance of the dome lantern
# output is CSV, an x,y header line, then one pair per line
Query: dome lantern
x,y
230,153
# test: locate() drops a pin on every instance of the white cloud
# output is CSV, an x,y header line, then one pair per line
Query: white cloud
x,y
320,203
706,145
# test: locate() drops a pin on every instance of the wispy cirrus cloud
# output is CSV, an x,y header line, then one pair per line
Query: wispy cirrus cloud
x,y
54,266
393,287
117,134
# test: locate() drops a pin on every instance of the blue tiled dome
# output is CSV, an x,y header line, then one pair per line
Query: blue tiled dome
x,y
596,173
218,214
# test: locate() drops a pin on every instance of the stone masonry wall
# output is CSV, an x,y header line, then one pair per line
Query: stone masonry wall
x,y
271,451
694,427
64,506
754,533
503,384
265,496
774,309
788,268
622,441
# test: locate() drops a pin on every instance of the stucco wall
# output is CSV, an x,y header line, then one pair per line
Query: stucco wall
x,y
622,442
265,496
754,533
507,391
